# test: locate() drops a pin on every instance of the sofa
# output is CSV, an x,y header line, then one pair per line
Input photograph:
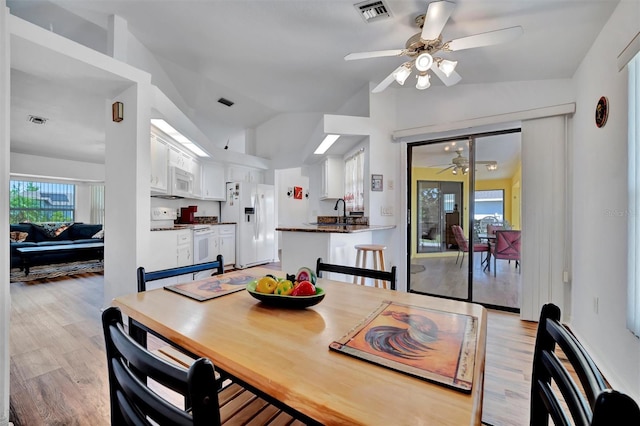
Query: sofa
x,y
43,234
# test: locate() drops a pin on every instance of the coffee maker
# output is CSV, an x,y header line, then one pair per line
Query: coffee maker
x,y
187,214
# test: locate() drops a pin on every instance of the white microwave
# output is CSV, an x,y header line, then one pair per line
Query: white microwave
x,y
180,182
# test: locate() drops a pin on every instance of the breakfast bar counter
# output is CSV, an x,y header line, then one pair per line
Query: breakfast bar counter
x,y
333,228
302,245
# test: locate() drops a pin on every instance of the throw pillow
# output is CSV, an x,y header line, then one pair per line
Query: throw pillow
x,y
17,236
53,229
99,234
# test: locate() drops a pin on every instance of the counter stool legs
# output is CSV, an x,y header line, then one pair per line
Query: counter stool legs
x,y
378,261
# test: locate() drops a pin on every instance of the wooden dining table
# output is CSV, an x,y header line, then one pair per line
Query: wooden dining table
x,y
284,353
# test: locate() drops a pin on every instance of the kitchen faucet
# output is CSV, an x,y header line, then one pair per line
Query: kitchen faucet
x,y
344,209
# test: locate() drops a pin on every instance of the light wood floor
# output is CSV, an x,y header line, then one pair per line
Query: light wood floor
x,y
59,376
443,277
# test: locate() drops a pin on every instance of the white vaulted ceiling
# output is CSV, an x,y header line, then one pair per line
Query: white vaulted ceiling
x,y
275,56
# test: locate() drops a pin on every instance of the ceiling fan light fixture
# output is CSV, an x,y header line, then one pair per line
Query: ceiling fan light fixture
x,y
402,73
454,171
424,62
447,67
492,167
424,81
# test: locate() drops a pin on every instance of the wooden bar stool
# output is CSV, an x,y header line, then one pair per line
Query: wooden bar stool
x,y
378,260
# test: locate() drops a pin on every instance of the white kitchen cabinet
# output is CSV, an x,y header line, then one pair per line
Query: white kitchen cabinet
x,y
182,160
227,243
332,178
184,247
196,169
213,181
169,249
237,173
159,165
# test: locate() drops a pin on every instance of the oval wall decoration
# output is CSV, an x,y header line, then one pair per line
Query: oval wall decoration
x,y
602,111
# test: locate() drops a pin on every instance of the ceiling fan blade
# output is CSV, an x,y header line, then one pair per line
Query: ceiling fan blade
x,y
386,82
375,54
454,77
437,15
486,39
445,169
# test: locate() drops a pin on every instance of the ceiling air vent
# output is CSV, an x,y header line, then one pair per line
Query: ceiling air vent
x,y
226,102
37,120
373,10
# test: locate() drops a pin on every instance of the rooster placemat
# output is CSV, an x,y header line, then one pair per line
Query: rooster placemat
x,y
434,345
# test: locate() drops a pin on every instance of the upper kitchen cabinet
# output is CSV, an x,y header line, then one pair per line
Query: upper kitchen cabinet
x,y
244,174
213,181
332,178
159,161
181,160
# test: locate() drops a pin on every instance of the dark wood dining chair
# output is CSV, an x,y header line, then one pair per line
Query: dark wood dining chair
x,y
133,402
592,402
138,331
388,276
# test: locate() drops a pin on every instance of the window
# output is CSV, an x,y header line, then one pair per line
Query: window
x,y
354,182
633,289
41,202
489,203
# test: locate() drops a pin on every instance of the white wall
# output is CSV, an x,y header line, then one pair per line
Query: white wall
x,y
5,298
600,204
34,165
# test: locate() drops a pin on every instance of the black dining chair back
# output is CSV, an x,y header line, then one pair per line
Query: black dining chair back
x,y
144,276
596,405
133,402
139,331
375,274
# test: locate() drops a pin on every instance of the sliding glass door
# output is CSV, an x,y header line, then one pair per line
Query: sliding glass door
x,y
464,185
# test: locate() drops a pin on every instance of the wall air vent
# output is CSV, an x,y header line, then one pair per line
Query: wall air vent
x,y
373,10
37,120
226,102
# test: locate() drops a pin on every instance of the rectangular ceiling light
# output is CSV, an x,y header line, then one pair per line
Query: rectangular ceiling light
x,y
326,144
178,137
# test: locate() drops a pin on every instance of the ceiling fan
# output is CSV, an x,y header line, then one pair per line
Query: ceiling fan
x,y
422,47
460,164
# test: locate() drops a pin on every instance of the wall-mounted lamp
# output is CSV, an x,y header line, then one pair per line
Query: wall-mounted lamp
x,y
117,112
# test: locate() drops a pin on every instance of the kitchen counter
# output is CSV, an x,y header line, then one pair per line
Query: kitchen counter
x,y
179,226
303,244
332,228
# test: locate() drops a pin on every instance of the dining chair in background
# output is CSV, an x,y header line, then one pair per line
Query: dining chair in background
x,y
463,245
506,247
134,402
591,403
375,274
172,352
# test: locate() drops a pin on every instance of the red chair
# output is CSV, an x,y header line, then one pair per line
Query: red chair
x,y
506,246
463,245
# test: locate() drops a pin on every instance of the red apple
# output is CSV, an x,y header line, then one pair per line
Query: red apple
x,y
304,288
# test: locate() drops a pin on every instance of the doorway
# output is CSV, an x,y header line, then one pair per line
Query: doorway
x,y
438,204
481,175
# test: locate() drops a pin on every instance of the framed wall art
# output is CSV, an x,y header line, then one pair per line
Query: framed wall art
x,y
376,182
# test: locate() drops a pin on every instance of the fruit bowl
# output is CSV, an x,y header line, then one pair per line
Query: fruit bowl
x,y
293,302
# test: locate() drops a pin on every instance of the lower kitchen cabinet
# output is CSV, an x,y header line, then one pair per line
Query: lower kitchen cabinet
x,y
227,243
169,249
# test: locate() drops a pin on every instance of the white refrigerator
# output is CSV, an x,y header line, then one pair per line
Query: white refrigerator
x,y
252,207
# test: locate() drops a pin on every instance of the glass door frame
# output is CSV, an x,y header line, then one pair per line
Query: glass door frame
x,y
471,139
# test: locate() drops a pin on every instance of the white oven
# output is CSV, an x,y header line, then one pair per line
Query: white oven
x,y
205,241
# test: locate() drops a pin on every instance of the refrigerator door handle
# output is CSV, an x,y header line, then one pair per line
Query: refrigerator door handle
x,y
256,216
